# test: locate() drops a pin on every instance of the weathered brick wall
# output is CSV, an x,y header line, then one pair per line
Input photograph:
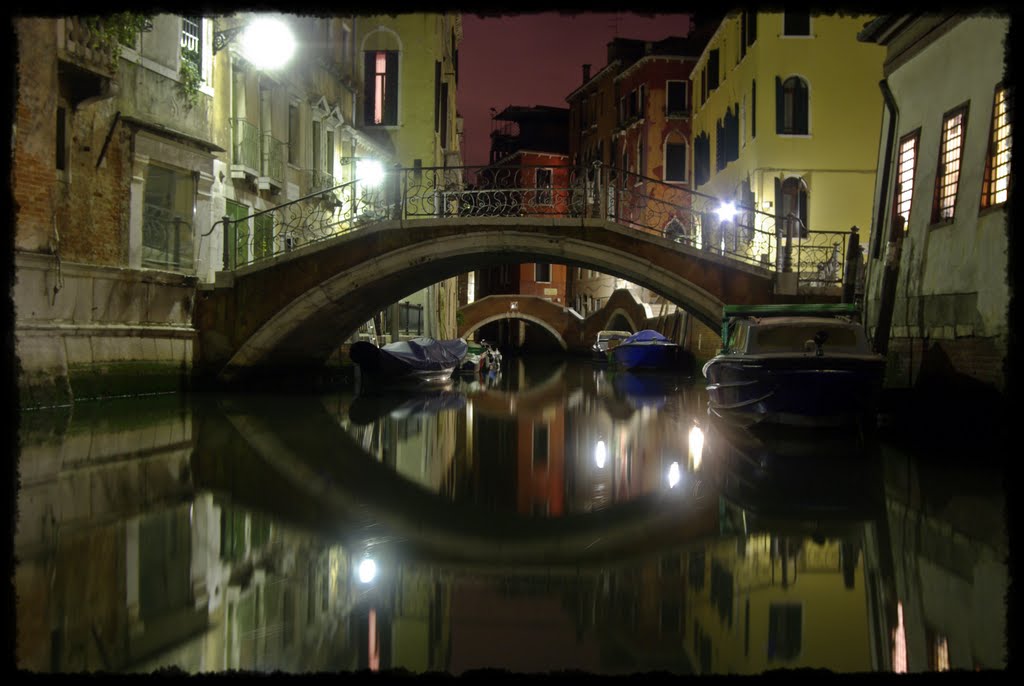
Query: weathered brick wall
x,y
915,362
83,212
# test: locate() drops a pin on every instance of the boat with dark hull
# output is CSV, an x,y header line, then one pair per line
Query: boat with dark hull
x,y
605,342
808,365
419,361
650,350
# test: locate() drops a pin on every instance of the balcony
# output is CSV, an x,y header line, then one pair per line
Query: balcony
x,y
77,44
272,163
245,149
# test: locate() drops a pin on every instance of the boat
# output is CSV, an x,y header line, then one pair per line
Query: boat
x,y
646,390
650,350
605,341
480,358
420,361
401,405
806,365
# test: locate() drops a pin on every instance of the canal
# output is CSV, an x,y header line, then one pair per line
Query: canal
x,y
558,516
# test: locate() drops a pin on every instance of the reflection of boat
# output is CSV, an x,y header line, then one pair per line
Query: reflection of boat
x,y
794,364
774,470
368,408
649,349
606,340
644,390
419,361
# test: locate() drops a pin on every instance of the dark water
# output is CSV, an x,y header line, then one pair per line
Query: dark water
x,y
560,517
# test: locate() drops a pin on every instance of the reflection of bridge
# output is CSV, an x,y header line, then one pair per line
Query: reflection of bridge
x,y
298,463
337,257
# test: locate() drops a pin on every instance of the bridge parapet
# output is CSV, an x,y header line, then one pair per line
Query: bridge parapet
x,y
685,217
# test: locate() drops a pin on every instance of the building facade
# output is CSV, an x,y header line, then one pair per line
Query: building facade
x,y
175,153
943,176
785,118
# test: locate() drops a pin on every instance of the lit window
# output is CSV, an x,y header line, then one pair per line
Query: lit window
x,y
948,176
381,88
905,175
997,165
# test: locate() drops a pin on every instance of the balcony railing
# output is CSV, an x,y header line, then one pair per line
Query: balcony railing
x,y
245,145
274,153
76,41
317,180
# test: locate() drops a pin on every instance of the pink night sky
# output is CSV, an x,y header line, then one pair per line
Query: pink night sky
x,y
536,59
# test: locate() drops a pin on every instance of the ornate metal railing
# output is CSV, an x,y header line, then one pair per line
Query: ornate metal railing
x,y
644,204
245,144
166,239
273,157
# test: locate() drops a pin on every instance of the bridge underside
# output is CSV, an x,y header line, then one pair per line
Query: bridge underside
x,y
292,312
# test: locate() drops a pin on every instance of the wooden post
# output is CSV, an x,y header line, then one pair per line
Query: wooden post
x,y
852,265
229,242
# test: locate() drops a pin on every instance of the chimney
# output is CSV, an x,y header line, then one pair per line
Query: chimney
x,y
586,73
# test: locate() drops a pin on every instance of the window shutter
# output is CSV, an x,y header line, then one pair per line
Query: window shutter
x,y
444,115
802,210
780,105
368,86
753,109
391,89
437,96
800,107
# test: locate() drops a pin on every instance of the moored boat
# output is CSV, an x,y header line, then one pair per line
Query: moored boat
x,y
605,341
794,364
418,361
650,350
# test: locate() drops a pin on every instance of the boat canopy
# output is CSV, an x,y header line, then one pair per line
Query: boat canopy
x,y
646,336
730,312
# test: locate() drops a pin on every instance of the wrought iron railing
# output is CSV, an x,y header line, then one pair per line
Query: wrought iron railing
x,y
166,239
273,158
245,144
650,206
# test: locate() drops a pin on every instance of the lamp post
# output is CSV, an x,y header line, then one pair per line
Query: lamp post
x,y
266,41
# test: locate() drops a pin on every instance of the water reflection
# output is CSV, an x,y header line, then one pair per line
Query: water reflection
x,y
560,519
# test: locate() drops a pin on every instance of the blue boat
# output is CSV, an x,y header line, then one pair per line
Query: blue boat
x,y
650,350
809,365
419,361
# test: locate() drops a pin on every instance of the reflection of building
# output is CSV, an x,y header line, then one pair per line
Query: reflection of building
x,y
944,170
786,112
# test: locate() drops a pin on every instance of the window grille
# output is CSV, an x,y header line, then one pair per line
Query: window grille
x,y
997,166
905,175
947,178
192,40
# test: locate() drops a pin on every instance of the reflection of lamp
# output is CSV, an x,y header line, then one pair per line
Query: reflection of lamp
x,y
267,42
600,453
367,570
673,474
696,446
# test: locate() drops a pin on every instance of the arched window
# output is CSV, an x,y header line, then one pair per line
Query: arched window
x,y
791,105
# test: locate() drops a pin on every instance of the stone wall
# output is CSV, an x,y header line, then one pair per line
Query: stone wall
x,y
86,331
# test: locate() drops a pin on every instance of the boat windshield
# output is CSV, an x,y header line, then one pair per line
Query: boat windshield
x,y
793,337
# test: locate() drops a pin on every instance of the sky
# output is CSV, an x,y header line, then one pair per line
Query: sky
x,y
536,59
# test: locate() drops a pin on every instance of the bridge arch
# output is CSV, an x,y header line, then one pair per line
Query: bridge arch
x,y
525,317
295,309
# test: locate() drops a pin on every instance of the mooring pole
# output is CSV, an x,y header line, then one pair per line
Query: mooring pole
x,y
852,265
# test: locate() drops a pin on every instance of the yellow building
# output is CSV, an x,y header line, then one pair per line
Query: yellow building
x,y
786,116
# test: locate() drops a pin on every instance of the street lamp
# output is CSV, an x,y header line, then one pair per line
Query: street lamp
x,y
369,172
267,42
726,212
367,570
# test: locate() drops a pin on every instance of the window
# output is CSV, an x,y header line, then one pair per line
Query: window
x,y
317,147
444,115
675,98
905,175
542,272
380,96
167,215
61,160
263,236
192,41
543,185
791,106
731,129
784,631
719,146
997,164
293,135
675,162
796,24
753,110
947,178
712,70
702,159
540,446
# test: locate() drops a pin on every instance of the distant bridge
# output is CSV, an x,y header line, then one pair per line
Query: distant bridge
x,y
339,255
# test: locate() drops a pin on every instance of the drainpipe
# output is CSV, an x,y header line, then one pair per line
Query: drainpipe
x,y
894,248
